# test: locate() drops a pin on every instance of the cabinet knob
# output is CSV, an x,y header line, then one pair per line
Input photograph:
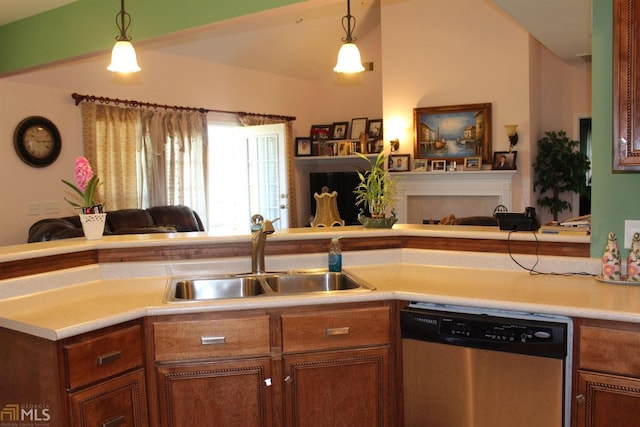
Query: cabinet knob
x,y
580,398
287,379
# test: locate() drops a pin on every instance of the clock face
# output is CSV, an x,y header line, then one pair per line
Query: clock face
x,y
37,141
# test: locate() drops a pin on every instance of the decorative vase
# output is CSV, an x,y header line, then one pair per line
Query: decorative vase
x,y
611,259
378,222
633,259
93,225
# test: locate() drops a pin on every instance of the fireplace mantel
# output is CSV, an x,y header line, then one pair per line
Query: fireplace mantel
x,y
497,184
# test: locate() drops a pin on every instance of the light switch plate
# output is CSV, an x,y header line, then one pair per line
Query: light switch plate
x,y
630,227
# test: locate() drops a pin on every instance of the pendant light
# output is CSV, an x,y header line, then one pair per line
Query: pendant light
x,y
349,56
123,56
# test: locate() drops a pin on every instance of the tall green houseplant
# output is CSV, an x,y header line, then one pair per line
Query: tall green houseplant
x,y
560,167
376,189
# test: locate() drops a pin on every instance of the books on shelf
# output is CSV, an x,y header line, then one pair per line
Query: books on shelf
x,y
580,226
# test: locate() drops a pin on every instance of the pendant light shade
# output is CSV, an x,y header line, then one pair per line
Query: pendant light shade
x,y
349,60
123,56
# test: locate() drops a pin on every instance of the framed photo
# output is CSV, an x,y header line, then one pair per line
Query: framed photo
x,y
438,165
472,163
340,130
357,127
344,148
420,165
399,162
453,132
303,146
504,160
374,129
321,132
375,145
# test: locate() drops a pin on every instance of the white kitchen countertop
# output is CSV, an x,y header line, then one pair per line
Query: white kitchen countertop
x,y
62,304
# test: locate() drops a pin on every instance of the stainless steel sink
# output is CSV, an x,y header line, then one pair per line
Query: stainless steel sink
x,y
297,283
260,285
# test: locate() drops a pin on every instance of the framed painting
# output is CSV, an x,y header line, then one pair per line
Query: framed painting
x,y
504,160
472,163
340,130
321,132
399,162
303,146
358,126
374,129
438,165
453,132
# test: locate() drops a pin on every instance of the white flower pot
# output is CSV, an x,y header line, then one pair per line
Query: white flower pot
x,y
93,225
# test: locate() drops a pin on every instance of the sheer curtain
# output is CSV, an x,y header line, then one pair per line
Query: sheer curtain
x,y
173,159
109,136
257,119
147,157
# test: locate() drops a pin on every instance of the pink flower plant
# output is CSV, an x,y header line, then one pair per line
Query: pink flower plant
x,y
86,186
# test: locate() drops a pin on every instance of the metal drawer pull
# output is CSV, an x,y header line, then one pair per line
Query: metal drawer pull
x,y
212,340
108,358
114,422
337,331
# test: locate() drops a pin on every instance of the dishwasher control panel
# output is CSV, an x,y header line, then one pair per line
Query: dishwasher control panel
x,y
515,335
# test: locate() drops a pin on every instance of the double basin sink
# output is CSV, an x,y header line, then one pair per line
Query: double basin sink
x,y
260,285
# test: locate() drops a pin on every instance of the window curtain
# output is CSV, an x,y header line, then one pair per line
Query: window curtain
x,y
173,159
109,134
256,120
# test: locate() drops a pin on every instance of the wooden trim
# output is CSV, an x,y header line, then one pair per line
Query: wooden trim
x,y
187,251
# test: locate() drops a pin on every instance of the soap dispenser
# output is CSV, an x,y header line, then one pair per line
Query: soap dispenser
x,y
335,255
611,262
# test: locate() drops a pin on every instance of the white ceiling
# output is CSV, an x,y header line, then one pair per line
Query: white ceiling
x,y
309,32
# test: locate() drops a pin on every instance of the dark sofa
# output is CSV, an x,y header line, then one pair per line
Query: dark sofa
x,y
159,219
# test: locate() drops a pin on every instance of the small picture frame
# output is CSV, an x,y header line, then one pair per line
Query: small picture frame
x,y
472,163
358,126
344,148
303,146
340,130
438,165
321,132
375,145
419,165
399,162
374,129
504,160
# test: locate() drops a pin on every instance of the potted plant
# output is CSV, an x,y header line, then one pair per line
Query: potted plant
x,y
560,167
375,192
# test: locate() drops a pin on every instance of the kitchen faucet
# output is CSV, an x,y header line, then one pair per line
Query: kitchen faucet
x,y
260,228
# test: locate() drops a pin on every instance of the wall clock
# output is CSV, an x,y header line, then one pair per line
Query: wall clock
x,y
37,141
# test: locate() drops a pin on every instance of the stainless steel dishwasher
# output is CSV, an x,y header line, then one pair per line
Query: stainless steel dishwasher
x,y
468,367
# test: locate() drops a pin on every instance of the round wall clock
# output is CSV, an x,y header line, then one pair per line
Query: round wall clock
x,y
37,141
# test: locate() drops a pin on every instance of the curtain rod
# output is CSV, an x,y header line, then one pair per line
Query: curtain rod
x,y
129,103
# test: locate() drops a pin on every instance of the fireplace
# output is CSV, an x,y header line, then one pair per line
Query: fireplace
x,y
433,195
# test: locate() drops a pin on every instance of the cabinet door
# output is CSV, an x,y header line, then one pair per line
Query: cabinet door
x,y
626,86
342,388
120,402
231,393
607,400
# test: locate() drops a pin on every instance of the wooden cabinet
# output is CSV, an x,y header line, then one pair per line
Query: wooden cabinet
x,y
303,366
608,375
213,369
336,367
94,379
626,85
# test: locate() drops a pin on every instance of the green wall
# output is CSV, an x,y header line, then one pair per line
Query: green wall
x,y
62,33
615,197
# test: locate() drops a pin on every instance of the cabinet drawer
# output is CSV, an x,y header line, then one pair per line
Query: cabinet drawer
x,y
93,359
211,338
335,329
610,350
